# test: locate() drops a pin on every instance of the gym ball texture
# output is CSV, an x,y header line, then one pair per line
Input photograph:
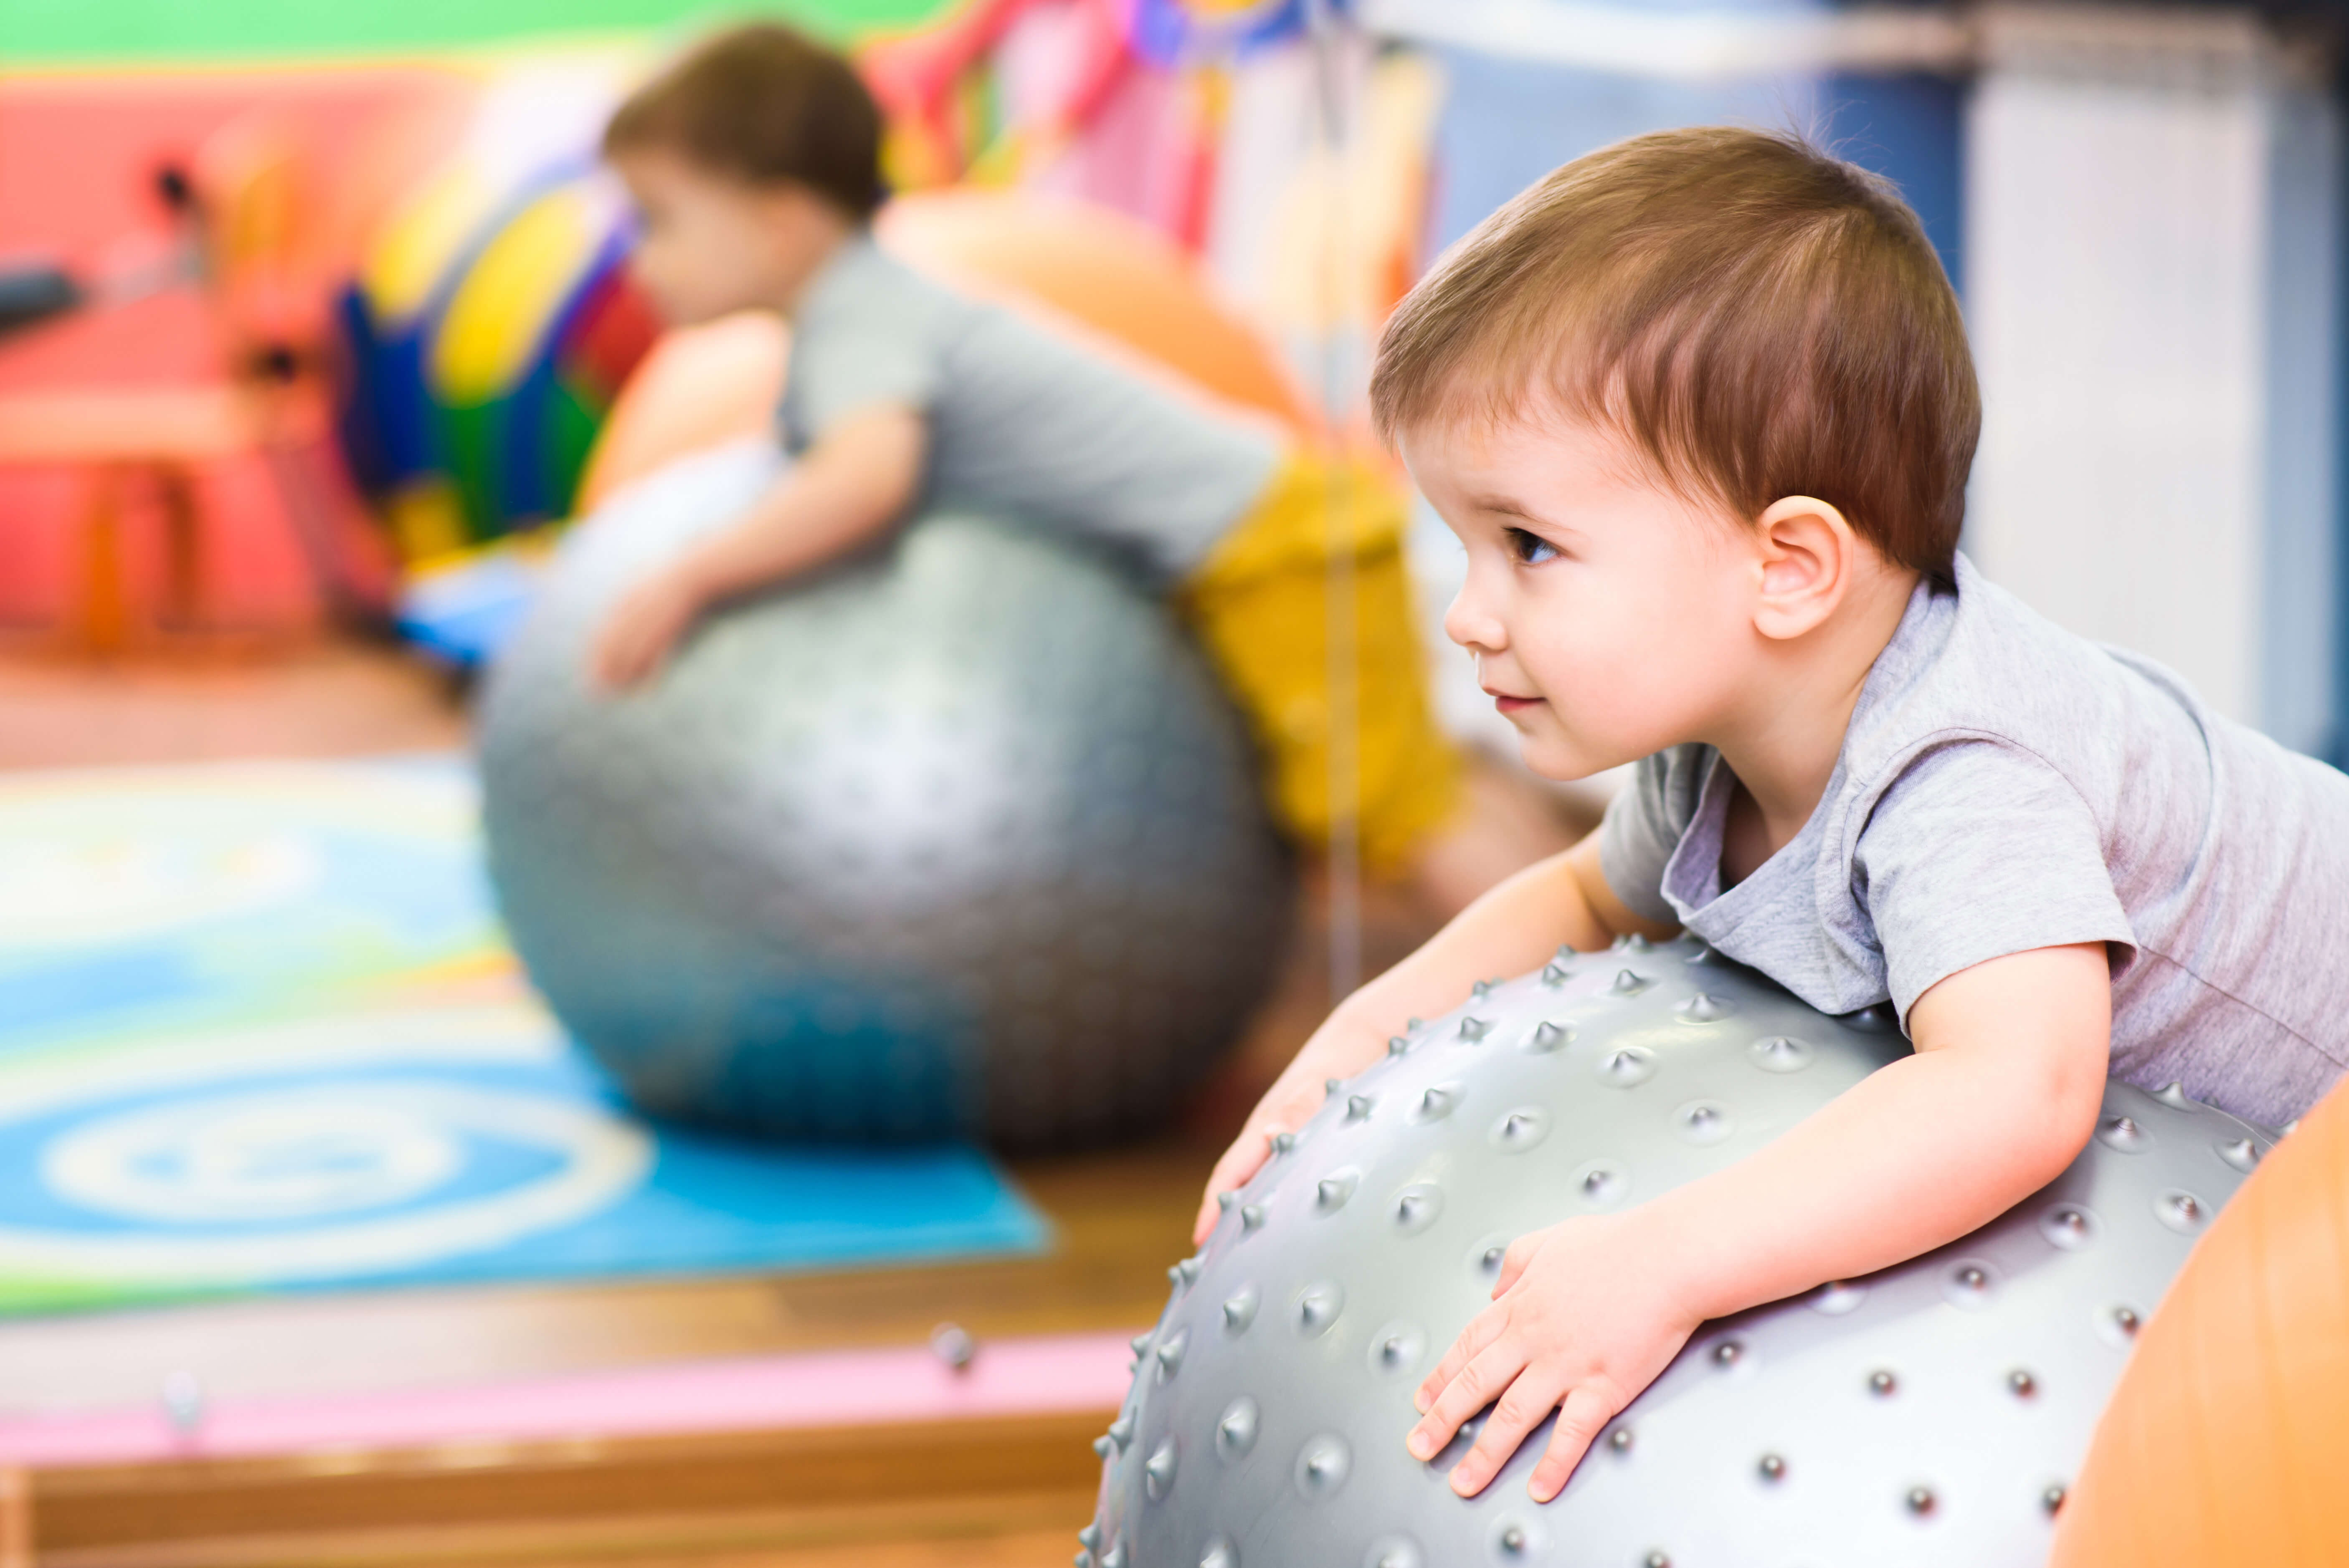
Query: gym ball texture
x,y
960,837
1929,1414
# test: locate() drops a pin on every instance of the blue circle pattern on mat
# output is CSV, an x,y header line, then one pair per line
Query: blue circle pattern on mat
x,y
150,1166
257,1032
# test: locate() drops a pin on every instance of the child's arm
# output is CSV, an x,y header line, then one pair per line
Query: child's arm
x,y
1514,927
2001,1094
848,487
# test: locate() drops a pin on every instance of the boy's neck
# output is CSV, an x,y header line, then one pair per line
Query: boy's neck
x,y
824,238
1784,738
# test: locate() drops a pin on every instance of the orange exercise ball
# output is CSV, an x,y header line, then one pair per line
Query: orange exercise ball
x,y
2227,1440
700,387
1075,267
1108,273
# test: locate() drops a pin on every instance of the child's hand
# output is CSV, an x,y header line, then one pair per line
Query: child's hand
x,y
1287,1106
642,628
1583,1319
1339,1048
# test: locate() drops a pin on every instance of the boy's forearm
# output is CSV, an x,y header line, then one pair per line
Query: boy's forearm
x,y
1921,1152
843,495
1516,926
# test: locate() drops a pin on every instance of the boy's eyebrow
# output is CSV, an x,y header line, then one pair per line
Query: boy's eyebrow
x,y
1509,505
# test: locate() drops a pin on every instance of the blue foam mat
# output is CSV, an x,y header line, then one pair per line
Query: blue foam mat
x,y
257,1034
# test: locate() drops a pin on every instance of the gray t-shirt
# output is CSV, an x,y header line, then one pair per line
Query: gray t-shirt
x,y
1023,424
2005,785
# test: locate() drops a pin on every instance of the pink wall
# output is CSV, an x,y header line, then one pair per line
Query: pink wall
x,y
77,155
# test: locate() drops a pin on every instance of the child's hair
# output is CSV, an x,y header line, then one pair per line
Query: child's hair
x,y
1761,319
762,104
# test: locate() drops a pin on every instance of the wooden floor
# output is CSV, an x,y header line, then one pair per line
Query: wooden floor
x,y
327,700
985,1497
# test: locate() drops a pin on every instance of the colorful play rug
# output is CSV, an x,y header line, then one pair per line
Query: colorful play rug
x,y
258,1032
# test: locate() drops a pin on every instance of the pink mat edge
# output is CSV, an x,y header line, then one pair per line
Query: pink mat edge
x,y
1009,1377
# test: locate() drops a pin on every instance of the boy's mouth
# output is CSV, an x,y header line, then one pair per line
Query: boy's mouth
x,y
1509,703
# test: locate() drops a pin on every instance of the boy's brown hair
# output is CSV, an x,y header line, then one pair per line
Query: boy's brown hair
x,y
762,104
1760,319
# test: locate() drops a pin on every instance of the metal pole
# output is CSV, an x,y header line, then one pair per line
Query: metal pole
x,y
1324,33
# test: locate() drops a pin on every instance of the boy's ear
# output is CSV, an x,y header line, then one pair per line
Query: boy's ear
x,y
1808,555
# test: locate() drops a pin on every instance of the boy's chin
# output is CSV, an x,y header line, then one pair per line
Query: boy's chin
x,y
1561,760
678,314
682,308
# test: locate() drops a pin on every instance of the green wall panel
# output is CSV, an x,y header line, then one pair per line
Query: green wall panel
x,y
51,33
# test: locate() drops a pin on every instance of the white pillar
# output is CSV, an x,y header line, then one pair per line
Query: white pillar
x,y
2153,217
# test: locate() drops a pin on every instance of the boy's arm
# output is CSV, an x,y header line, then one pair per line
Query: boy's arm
x,y
1514,927
2003,1091
847,488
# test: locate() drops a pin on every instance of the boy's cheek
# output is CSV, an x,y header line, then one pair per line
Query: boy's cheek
x,y
670,289
645,269
1588,723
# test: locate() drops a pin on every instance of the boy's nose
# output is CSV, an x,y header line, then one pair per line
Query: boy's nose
x,y
1471,627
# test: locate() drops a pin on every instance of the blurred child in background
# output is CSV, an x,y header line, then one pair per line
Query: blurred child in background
x,y
754,161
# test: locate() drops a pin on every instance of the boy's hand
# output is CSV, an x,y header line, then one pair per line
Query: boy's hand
x,y
1287,1106
638,634
1583,1319
1339,1048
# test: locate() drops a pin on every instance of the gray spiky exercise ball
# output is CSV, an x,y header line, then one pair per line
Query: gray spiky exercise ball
x,y
1931,1414
960,837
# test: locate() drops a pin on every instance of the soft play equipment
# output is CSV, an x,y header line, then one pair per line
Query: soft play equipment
x,y
492,321
961,837
2227,1438
485,346
1074,268
1935,1412
534,342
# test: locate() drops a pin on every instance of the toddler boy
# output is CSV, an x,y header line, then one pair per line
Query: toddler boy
x,y
754,162
1700,409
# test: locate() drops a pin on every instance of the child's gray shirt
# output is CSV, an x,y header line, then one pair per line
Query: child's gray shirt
x,y
2004,785
1023,424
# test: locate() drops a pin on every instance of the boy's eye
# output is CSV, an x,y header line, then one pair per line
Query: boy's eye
x,y
1530,549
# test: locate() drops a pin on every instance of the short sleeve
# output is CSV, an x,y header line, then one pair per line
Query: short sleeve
x,y
1979,850
1643,826
869,334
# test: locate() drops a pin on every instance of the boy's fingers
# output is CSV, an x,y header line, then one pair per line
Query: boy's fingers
x,y
1210,1210
1245,1157
1513,1263
618,657
1465,1395
652,648
1579,1420
1482,1330
1534,1394
1239,1162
